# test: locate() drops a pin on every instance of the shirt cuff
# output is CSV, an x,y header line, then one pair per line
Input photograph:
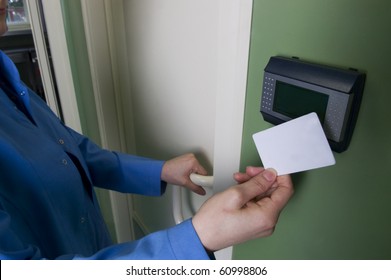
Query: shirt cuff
x,y
185,243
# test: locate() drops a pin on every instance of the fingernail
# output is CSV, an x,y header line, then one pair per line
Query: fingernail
x,y
269,174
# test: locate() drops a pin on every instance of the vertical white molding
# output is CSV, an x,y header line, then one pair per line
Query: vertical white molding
x,y
94,19
103,58
121,204
120,69
62,68
233,53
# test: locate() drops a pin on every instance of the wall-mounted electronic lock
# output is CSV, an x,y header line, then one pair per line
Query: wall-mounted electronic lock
x,y
293,88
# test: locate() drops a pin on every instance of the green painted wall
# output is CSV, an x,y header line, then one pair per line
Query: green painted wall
x,y
339,212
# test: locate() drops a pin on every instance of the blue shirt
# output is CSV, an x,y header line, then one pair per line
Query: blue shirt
x,y
48,208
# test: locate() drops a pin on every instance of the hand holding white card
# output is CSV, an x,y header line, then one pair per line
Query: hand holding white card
x,y
294,146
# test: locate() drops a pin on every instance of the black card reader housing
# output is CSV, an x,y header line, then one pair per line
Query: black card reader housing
x,y
293,88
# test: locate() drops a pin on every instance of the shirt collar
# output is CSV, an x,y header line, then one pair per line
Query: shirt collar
x,y
10,75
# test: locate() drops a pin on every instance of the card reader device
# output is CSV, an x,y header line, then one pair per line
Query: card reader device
x,y
293,88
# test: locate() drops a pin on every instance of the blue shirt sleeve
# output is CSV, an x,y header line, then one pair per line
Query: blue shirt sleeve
x,y
119,171
180,242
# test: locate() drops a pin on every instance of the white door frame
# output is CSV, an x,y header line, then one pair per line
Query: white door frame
x,y
234,47
103,20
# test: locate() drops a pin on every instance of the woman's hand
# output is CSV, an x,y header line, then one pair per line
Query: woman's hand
x,y
177,171
243,212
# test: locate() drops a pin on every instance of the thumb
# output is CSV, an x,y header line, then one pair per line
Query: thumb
x,y
256,186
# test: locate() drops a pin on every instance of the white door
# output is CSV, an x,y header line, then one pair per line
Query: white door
x,y
176,84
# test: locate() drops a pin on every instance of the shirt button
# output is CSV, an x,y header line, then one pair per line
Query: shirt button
x,y
61,141
64,161
82,220
22,93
